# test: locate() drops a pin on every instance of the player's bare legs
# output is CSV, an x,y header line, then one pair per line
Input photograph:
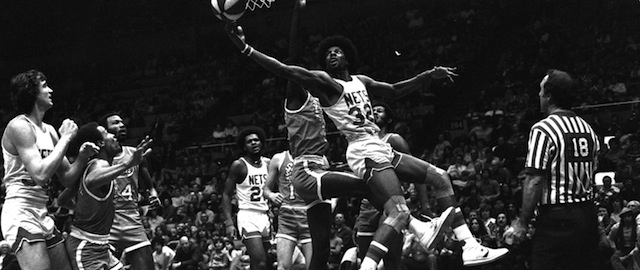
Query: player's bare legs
x,y
257,250
141,258
419,171
59,257
34,256
386,191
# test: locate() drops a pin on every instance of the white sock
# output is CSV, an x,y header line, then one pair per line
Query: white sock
x,y
415,225
463,233
368,263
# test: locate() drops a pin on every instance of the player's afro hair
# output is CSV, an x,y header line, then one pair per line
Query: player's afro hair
x,y
343,43
242,135
87,133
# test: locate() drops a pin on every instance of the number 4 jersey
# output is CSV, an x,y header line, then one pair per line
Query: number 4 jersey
x,y
126,185
249,191
352,113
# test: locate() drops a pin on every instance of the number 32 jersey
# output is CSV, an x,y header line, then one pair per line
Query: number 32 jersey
x,y
126,185
352,114
249,191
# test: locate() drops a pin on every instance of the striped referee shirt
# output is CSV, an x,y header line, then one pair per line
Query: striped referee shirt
x,y
563,147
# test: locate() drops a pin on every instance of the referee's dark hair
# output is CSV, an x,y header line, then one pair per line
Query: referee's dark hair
x,y
242,136
561,87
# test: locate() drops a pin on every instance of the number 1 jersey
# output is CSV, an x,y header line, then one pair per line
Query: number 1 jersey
x,y
249,191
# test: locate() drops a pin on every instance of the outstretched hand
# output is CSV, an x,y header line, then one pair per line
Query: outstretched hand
x,y
443,72
142,150
235,33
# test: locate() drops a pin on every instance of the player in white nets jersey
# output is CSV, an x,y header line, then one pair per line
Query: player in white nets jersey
x,y
345,99
247,176
32,152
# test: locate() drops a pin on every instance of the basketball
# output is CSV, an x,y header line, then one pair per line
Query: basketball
x,y
229,10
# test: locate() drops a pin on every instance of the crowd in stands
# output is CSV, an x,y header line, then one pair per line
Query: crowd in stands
x,y
194,103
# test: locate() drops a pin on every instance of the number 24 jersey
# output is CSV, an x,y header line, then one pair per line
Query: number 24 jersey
x,y
126,185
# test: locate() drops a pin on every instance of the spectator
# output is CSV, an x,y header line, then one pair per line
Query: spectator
x,y
485,215
218,260
168,210
204,224
611,156
414,256
479,231
616,208
438,150
607,189
154,219
483,130
457,169
188,255
623,239
162,254
8,260
204,210
488,188
219,136
336,249
231,131
343,231
502,225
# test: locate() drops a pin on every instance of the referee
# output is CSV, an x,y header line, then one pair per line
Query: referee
x,y
560,164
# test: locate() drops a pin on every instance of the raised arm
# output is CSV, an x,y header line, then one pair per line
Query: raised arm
x,y
407,86
69,174
21,138
317,82
103,175
272,180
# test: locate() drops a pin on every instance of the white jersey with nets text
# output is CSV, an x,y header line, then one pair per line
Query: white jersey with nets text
x,y
352,114
249,191
17,180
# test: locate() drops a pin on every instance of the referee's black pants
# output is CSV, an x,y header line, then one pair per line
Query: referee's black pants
x,y
566,237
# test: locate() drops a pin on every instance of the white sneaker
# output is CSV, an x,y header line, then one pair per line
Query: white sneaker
x,y
478,254
435,229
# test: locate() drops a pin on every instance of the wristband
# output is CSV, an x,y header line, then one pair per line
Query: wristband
x,y
228,223
244,50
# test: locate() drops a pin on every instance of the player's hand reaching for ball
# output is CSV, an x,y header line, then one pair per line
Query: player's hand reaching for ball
x,y
142,150
443,72
236,34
